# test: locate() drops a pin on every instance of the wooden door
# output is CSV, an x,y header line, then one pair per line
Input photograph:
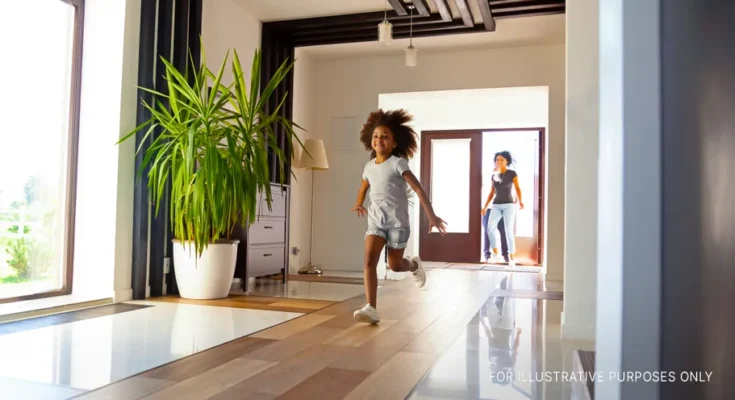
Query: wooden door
x,y
451,174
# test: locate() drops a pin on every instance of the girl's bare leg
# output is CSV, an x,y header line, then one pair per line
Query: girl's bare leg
x,y
397,263
373,247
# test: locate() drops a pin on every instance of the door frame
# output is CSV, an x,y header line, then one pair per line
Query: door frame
x,y
539,213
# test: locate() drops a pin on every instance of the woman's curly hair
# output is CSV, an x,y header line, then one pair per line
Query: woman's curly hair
x,y
397,121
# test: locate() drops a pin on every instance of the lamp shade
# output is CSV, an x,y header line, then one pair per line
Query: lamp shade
x,y
412,55
314,155
385,33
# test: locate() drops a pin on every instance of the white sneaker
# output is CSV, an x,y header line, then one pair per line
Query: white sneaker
x,y
367,314
419,276
496,259
512,262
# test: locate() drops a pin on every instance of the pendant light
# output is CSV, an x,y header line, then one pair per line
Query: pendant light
x,y
412,53
385,29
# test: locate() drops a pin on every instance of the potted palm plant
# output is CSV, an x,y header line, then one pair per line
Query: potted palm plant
x,y
214,149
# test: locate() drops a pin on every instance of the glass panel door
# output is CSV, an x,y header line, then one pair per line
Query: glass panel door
x,y
450,182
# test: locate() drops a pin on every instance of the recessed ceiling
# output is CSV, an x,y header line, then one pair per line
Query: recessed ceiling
x,y
530,31
281,10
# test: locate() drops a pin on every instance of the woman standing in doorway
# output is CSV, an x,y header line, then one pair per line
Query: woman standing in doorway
x,y
501,195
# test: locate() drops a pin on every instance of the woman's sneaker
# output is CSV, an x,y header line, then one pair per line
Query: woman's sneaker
x,y
419,276
496,259
367,314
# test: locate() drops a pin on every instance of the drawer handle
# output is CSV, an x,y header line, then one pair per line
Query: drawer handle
x,y
267,255
267,227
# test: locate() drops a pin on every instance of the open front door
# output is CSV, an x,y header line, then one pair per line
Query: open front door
x,y
451,164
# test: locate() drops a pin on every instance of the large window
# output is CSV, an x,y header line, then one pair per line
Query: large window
x,y
38,145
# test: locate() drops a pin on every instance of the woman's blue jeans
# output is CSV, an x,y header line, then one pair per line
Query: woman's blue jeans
x,y
487,250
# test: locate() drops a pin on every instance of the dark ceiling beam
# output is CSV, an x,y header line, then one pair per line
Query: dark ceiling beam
x,y
523,4
335,20
422,7
369,26
444,10
465,12
487,15
378,16
398,7
362,27
438,29
403,34
398,32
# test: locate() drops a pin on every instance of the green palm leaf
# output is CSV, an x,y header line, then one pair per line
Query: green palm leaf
x,y
214,147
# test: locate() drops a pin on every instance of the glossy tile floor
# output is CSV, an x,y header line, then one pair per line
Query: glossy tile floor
x,y
304,290
506,351
453,339
63,360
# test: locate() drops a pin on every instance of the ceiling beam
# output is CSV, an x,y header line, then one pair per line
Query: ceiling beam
x,y
367,26
487,15
448,29
465,12
398,7
361,27
444,11
422,8
523,4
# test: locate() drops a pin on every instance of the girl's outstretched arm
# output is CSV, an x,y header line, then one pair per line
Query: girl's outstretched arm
x,y
434,221
358,208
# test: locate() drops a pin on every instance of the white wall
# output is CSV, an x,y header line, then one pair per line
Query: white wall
x,y
229,26
629,261
502,108
126,162
350,87
304,92
103,239
582,138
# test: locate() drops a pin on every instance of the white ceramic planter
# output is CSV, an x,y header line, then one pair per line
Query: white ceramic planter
x,y
210,275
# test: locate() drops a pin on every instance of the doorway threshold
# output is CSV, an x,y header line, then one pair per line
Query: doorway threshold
x,y
495,267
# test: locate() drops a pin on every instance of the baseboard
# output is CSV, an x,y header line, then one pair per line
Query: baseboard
x,y
122,295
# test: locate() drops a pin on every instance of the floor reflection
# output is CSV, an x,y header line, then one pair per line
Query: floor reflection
x,y
88,354
304,290
502,353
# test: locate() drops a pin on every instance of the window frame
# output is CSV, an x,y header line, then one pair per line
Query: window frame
x,y
75,94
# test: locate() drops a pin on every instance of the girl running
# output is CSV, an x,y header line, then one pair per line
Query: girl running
x,y
387,175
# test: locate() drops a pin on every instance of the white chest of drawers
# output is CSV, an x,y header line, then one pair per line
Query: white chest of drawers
x,y
264,246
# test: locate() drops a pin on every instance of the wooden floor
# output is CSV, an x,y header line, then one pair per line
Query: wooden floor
x,y
326,354
255,303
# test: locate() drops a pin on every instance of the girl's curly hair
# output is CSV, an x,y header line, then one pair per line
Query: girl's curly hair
x,y
397,121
